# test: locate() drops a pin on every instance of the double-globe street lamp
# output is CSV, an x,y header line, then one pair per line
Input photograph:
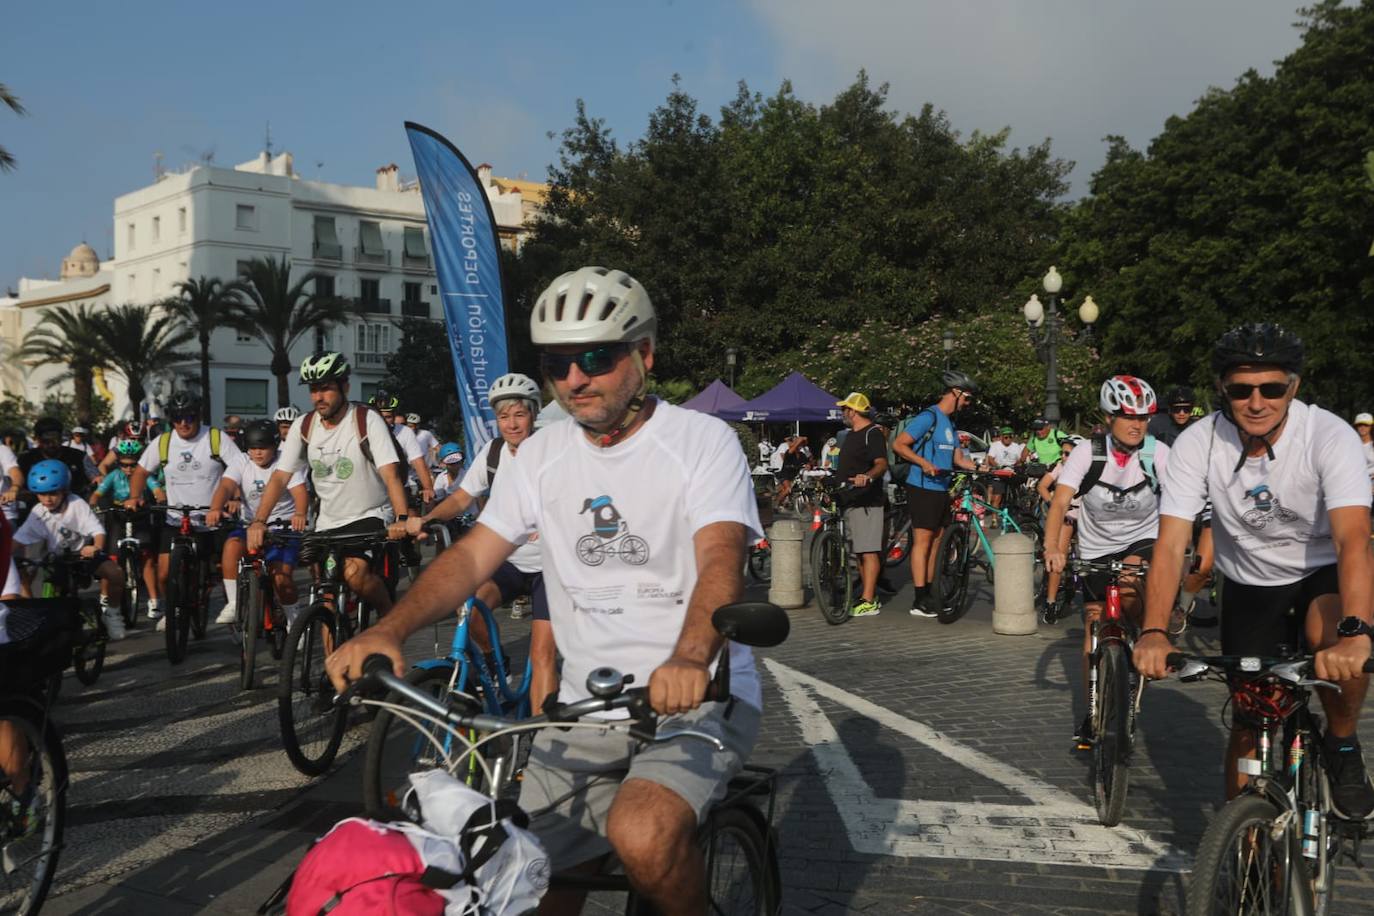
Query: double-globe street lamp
x,y
1044,326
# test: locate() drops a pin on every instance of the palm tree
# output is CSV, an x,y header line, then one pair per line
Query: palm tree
x,y
204,305
11,101
69,337
279,312
136,343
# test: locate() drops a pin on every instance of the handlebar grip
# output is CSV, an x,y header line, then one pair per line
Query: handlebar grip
x,y
376,664
1177,660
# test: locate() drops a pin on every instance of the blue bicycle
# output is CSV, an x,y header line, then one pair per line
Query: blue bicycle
x,y
467,682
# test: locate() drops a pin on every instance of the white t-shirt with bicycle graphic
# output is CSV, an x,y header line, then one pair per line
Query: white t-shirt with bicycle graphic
x,y
347,484
616,526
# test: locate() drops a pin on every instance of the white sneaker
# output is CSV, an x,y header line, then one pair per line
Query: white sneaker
x,y
154,613
161,623
114,624
230,614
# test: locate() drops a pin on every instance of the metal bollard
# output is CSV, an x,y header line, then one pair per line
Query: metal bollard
x,y
1013,595
786,588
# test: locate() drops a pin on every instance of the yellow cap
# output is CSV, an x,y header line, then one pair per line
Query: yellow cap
x,y
856,401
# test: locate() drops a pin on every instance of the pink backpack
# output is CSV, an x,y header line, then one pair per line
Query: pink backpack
x,y
365,868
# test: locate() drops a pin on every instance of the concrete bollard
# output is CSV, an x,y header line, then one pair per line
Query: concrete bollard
x,y
786,588
1013,595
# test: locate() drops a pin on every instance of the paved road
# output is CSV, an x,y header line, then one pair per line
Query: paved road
x,y
926,769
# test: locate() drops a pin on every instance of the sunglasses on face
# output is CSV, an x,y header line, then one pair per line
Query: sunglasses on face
x,y
128,464
188,418
1181,408
1272,391
593,362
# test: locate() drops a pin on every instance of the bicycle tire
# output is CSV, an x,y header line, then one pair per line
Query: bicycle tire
x,y
250,609
128,604
831,577
950,584
737,864
1111,734
35,850
395,749
312,726
200,610
177,615
88,656
896,537
1242,835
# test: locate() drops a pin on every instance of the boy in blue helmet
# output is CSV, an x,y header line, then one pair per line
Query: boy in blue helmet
x,y
60,522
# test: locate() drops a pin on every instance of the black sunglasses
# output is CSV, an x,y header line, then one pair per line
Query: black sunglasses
x,y
1271,391
185,417
1181,408
593,362
128,464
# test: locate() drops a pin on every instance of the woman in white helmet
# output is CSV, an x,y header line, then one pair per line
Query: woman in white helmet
x,y
515,400
1115,477
284,417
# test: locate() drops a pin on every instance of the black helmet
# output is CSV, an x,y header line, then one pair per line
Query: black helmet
x,y
1179,395
953,378
47,426
182,403
1039,423
260,434
1260,343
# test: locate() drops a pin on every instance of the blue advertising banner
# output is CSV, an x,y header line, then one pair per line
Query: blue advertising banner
x,y
462,236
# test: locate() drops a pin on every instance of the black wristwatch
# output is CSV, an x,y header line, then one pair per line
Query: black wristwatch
x,y
402,518
1353,626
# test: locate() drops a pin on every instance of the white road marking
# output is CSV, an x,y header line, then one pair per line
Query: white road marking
x,y
1056,829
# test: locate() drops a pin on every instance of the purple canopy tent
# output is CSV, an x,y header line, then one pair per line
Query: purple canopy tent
x,y
796,399
716,397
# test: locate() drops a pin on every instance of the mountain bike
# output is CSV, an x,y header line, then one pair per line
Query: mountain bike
x,y
1114,689
131,554
1274,847
64,575
33,766
965,545
461,680
312,726
832,572
259,614
189,580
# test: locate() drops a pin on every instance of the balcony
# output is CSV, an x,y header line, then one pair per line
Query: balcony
x,y
378,306
371,259
415,308
370,359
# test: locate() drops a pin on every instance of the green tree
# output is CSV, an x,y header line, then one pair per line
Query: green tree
x,y
205,305
69,337
10,101
279,312
137,343
420,374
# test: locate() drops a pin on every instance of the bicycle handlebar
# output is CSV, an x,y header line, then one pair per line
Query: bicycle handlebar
x,y
1109,566
1190,666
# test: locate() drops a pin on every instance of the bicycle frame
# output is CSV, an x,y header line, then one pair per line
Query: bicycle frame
x,y
972,509
501,699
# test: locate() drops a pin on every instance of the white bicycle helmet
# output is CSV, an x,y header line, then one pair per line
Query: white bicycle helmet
x,y
591,306
413,418
515,385
1127,396
286,415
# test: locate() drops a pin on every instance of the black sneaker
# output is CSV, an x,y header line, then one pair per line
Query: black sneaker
x,y
1083,737
1351,794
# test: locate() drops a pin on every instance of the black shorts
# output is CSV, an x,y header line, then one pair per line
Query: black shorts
x,y
929,509
1095,585
210,541
788,472
313,553
1260,618
513,583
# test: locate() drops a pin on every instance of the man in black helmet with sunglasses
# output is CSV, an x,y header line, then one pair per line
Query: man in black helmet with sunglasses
x,y
644,511
1290,522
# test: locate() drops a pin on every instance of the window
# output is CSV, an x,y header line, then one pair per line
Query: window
x,y
373,339
181,219
411,292
370,247
434,289
157,228
369,290
414,250
324,339
243,337
324,287
411,303
132,237
245,396
246,217
327,239
241,268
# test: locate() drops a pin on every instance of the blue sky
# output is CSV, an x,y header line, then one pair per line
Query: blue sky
x,y
109,84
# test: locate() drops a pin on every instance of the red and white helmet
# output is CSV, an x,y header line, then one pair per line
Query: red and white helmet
x,y
1127,396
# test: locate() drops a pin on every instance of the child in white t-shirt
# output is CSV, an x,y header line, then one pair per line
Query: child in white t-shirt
x,y
451,457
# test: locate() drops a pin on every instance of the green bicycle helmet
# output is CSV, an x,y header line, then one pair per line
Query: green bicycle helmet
x,y
384,400
129,448
326,366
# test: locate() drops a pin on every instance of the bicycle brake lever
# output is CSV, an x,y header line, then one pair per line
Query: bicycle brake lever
x,y
691,733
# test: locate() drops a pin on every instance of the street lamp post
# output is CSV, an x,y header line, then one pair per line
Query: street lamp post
x,y
947,341
731,356
1044,326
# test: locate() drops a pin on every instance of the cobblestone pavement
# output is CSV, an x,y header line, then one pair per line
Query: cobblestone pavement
x,y
925,769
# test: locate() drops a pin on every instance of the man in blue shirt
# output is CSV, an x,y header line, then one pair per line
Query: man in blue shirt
x,y
931,444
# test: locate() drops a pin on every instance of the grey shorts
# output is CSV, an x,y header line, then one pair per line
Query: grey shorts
x,y
591,764
865,528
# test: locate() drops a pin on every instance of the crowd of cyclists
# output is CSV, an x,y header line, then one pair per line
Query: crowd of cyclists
x,y
1273,491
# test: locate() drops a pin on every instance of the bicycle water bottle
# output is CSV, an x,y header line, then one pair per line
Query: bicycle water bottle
x,y
1310,833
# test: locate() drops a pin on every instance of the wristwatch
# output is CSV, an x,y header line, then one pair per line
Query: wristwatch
x,y
402,518
1353,626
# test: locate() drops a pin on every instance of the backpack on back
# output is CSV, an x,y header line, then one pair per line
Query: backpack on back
x,y
1099,463
898,466
360,416
164,446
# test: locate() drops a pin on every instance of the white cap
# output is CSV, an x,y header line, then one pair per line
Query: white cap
x,y
1366,418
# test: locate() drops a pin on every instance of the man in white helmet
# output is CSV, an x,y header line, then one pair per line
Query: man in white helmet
x,y
644,511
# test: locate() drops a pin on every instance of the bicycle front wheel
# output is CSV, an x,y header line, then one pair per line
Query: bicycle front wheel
x,y
128,604
1242,866
1111,733
200,600
950,585
250,619
88,656
896,538
33,805
831,577
180,596
312,726
737,865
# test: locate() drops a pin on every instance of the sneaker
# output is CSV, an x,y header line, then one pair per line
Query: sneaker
x,y
230,614
154,613
1083,737
161,623
866,609
921,607
1351,794
114,624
